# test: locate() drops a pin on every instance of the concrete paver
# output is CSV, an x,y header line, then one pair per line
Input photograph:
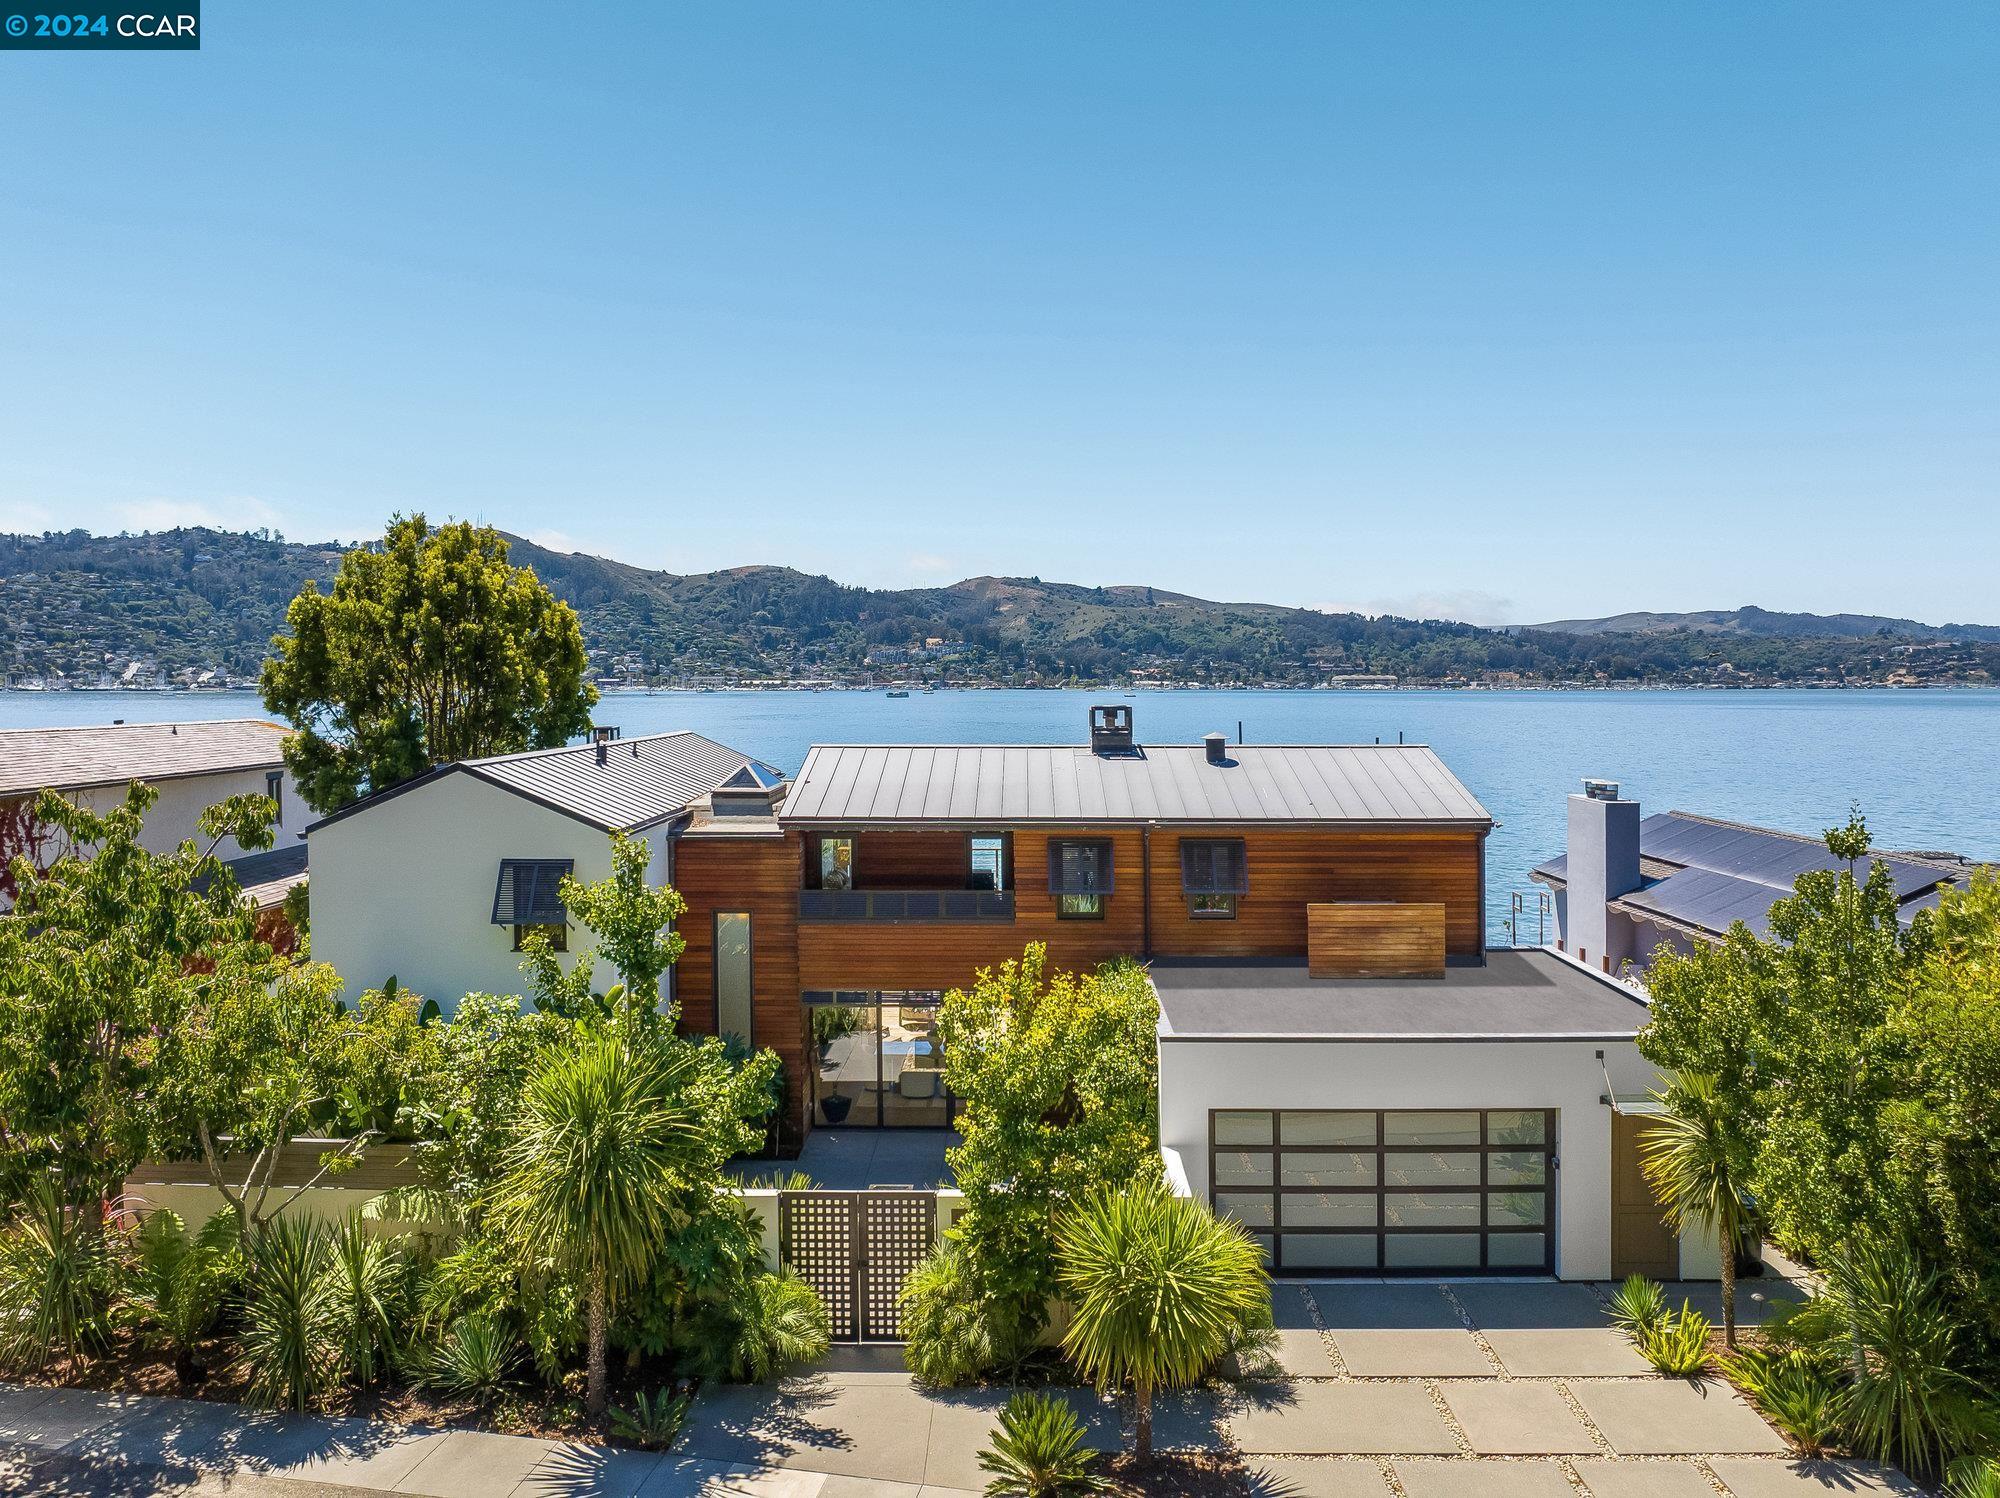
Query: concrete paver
x,y
1516,1419
370,1461
1673,1417
817,1424
1399,1331
173,1434
475,1464
1753,1479
572,1471
962,1423
1614,1479
1301,1351
1194,1419
1327,1477
1756,1300
1482,1479
1550,1331
50,1418
1343,1419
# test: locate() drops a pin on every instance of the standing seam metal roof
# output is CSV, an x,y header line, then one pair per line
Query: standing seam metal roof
x,y
1058,783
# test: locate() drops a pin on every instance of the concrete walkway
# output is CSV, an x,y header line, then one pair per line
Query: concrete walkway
x,y
1428,1391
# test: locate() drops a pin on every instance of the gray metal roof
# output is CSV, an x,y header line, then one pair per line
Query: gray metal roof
x,y
1013,784
1518,994
67,759
267,877
640,783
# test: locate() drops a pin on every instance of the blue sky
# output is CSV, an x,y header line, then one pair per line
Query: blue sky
x,y
1502,311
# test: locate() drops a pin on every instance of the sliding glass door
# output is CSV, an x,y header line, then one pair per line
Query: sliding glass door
x,y
877,1061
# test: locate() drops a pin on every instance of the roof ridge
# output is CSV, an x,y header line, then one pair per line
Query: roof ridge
x,y
1695,816
151,723
643,738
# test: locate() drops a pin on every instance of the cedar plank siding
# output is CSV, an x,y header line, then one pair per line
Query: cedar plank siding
x,y
875,954
760,875
1293,867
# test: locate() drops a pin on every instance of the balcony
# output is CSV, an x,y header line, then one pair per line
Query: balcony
x,y
906,906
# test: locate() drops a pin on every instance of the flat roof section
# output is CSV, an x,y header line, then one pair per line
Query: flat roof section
x,y
1519,993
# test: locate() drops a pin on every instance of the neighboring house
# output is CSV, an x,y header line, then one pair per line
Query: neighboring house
x,y
1343,1065
435,882
191,765
1631,884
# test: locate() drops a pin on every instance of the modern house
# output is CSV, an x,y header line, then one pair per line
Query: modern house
x,y
1344,1067
191,765
1630,884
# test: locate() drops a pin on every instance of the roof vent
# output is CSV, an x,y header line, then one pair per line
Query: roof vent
x,y
603,733
603,747
1600,790
1111,730
1217,745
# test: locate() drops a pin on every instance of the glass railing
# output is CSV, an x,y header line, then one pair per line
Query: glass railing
x,y
830,905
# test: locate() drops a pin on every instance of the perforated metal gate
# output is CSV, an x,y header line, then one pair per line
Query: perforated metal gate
x,y
856,1248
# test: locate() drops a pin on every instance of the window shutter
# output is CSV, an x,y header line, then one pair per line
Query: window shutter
x,y
1214,866
1079,868
529,892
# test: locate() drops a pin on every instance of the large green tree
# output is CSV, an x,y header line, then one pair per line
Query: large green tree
x,y
430,648
104,953
1059,1082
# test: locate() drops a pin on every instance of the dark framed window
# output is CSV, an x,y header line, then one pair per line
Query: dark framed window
x,y
1420,1191
833,862
558,936
734,1008
529,892
274,787
1080,878
987,856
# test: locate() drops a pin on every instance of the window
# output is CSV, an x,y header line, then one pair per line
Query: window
x,y
274,787
1390,1192
987,857
732,975
836,863
558,936
1214,873
529,893
1080,878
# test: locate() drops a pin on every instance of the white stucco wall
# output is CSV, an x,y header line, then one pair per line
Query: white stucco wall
x,y
1197,1075
175,817
405,888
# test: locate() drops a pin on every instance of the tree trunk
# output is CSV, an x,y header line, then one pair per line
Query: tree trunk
x,y
599,1394
1142,1423
1728,1293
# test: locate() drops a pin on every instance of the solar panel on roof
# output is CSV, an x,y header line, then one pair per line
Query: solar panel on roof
x,y
1769,858
1708,899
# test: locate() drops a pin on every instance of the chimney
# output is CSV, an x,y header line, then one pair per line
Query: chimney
x,y
603,733
1111,730
1603,864
603,747
1217,745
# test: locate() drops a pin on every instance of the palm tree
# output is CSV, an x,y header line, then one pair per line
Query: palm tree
x,y
1160,1290
1693,1159
608,1136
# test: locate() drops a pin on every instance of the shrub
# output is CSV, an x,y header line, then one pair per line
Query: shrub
x,y
654,1421
1973,1477
1799,1392
1679,1344
1161,1289
292,1320
953,1334
370,1287
1912,1403
782,1324
1038,1451
53,1273
176,1284
473,1357
1639,1306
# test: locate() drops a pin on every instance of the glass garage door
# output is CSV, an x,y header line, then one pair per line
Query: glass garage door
x,y
1469,1192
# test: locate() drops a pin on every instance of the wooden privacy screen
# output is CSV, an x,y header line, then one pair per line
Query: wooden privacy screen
x,y
1375,941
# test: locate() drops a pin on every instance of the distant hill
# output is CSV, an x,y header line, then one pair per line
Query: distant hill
x,y
182,605
1753,621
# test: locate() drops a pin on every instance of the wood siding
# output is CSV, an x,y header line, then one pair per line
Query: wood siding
x,y
944,955
760,875
1375,941
1293,867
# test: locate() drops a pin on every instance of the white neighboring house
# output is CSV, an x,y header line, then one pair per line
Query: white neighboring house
x,y
436,881
191,765
1629,884
1497,1110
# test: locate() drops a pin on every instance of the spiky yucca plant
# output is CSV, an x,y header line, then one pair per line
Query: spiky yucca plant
x,y
291,1321
654,1421
53,1266
1159,1289
473,1356
1638,1305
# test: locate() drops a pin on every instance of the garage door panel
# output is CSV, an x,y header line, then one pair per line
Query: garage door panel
x,y
1461,1191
